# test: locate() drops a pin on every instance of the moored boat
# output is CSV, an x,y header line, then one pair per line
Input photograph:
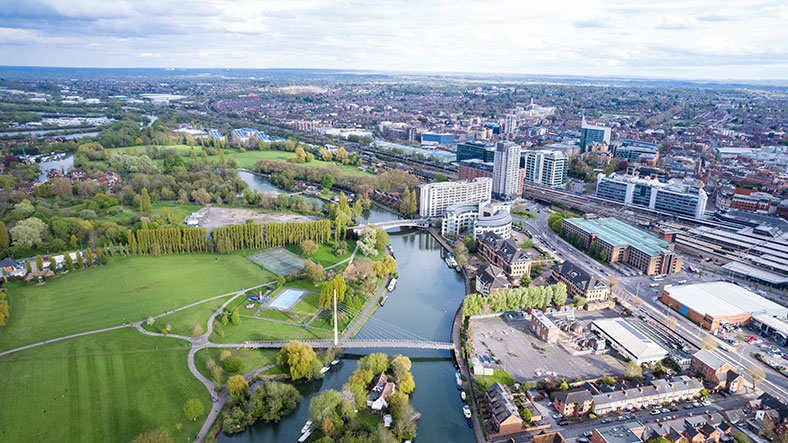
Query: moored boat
x,y
383,300
458,379
307,426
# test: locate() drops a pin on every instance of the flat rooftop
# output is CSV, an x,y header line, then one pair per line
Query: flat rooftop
x,y
634,341
722,299
618,233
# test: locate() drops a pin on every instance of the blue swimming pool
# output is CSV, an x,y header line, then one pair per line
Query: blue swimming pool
x,y
286,298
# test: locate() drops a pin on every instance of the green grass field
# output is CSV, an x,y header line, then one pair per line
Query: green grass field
x,y
119,385
130,214
252,329
128,289
246,160
252,359
325,254
182,322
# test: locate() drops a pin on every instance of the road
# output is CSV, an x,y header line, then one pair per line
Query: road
x,y
775,383
573,431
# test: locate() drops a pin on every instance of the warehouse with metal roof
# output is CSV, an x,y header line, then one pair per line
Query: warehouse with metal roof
x,y
714,304
628,341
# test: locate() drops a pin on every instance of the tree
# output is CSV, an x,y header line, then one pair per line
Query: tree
x,y
193,408
235,317
527,415
237,385
377,362
272,401
153,436
29,232
404,205
5,310
612,281
756,374
233,364
709,343
324,405
80,262
336,285
314,271
5,239
296,357
407,384
61,188
608,380
580,301
461,254
145,206
72,241
633,370
559,294
39,263
201,197
400,365
327,181
525,281
300,155
308,247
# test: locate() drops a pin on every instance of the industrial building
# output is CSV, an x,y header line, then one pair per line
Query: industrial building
x,y
758,252
543,327
475,149
435,198
626,244
628,341
714,304
681,197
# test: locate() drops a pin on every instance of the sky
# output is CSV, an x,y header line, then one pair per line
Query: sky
x,y
721,39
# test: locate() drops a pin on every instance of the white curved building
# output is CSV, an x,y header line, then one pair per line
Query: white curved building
x,y
476,219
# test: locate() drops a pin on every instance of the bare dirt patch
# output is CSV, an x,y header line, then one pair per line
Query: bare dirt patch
x,y
233,216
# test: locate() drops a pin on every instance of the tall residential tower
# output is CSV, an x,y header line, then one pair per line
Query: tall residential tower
x,y
506,170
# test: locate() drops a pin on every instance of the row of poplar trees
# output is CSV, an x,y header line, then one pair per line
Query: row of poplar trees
x,y
259,235
168,240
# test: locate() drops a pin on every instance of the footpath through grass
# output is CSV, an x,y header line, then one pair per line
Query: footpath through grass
x,y
182,322
254,329
106,387
252,359
127,290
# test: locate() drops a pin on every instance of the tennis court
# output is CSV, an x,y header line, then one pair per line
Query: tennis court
x,y
286,299
279,261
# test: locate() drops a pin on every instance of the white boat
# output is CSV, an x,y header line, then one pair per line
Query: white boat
x,y
463,396
305,435
466,410
334,362
324,369
392,284
307,426
383,300
458,379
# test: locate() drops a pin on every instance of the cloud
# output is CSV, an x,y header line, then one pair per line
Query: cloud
x,y
591,37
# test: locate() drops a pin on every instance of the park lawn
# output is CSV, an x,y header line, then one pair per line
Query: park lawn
x,y
120,383
325,253
182,322
525,214
252,329
275,314
252,359
246,160
127,290
308,304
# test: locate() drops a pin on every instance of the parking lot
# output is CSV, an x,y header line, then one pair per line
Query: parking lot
x,y
526,357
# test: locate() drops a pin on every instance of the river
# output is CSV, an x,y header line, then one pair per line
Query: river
x,y
63,164
422,305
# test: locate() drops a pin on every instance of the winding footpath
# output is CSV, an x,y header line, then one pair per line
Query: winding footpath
x,y
196,344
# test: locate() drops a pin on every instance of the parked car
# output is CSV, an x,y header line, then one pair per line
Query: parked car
x,y
655,412
696,405
630,416
606,420
706,403
557,416
665,410
582,440
621,418
587,433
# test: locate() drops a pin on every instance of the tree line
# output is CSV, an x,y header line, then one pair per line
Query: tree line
x,y
259,235
515,299
168,240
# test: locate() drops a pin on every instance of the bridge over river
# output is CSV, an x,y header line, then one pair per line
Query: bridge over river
x,y
422,223
322,344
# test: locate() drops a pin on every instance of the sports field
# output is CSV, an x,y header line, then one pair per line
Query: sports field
x,y
126,290
279,261
106,387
